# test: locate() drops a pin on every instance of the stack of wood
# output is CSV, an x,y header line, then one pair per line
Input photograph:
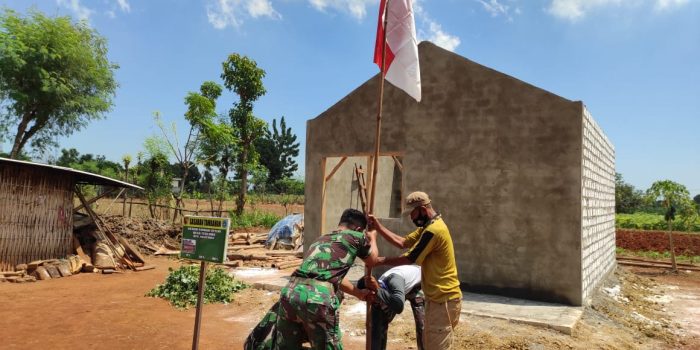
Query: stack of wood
x,y
46,269
249,249
247,239
110,250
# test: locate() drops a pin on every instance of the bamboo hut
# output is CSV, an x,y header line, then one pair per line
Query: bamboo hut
x,y
36,210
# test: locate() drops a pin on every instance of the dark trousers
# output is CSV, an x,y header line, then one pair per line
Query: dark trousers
x,y
381,317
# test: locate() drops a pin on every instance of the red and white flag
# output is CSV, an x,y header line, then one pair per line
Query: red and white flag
x,y
401,63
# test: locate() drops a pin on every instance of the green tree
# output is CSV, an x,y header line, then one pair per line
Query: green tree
x,y
201,115
68,157
242,76
696,199
157,184
96,164
54,77
673,196
278,149
627,199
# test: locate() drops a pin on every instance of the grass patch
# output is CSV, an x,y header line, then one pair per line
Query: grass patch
x,y
666,255
180,287
650,221
253,218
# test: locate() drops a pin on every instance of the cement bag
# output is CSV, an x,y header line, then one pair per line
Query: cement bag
x,y
41,274
103,257
64,268
76,264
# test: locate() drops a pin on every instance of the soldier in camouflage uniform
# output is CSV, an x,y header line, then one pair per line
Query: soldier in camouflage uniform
x,y
261,336
309,303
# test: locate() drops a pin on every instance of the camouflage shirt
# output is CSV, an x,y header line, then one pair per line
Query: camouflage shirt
x,y
331,256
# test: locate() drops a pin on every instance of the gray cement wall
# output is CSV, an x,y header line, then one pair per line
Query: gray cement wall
x,y
598,205
500,158
342,190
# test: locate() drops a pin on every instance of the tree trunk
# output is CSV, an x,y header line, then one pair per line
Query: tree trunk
x,y
178,200
17,144
240,202
126,192
670,242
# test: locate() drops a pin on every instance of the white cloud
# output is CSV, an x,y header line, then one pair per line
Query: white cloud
x,y
494,7
124,5
356,8
433,31
225,13
574,10
79,10
262,8
442,39
669,4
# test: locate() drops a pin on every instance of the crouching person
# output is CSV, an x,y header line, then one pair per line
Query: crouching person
x,y
393,288
309,304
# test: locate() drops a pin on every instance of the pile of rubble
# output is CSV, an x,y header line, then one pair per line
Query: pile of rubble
x,y
104,248
46,269
148,235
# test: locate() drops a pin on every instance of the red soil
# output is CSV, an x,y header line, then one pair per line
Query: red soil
x,y
684,243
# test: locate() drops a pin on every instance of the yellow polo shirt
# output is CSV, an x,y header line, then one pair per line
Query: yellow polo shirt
x,y
432,249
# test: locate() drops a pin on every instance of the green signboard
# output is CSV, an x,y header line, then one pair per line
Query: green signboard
x,y
205,238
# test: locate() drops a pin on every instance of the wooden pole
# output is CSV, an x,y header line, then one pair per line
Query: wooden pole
x,y
126,179
200,295
375,166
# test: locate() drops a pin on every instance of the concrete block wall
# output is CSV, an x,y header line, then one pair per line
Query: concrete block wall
x,y
597,205
528,199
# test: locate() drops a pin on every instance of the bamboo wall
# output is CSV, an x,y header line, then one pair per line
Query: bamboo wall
x,y
35,215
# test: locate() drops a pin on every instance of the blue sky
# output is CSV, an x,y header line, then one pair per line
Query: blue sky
x,y
634,63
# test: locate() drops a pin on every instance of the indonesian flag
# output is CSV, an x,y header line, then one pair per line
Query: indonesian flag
x,y
401,65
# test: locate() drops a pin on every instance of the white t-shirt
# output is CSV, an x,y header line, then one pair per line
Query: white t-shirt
x,y
410,274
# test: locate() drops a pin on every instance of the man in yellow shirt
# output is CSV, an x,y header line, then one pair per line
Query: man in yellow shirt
x,y
430,246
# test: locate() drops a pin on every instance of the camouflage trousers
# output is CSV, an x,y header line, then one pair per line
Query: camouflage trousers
x,y
382,316
262,335
308,309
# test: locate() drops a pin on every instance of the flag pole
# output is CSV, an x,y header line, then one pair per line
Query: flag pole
x,y
375,164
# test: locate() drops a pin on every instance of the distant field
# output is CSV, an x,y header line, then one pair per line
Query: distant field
x,y
647,221
108,206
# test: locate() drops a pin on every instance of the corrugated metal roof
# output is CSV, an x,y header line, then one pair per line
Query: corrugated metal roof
x,y
81,177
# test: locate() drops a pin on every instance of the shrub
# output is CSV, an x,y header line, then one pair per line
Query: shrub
x,y
253,218
180,287
649,221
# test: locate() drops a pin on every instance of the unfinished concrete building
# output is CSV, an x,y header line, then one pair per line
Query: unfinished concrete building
x,y
524,178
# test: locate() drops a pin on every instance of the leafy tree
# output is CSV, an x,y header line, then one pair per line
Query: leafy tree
x,y
673,196
68,157
290,186
259,178
277,151
627,199
201,115
696,199
99,164
54,77
192,181
126,159
157,183
242,76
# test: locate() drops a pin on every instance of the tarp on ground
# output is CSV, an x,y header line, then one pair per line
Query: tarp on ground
x,y
285,228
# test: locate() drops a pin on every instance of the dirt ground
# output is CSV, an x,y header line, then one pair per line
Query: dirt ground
x,y
683,243
649,309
